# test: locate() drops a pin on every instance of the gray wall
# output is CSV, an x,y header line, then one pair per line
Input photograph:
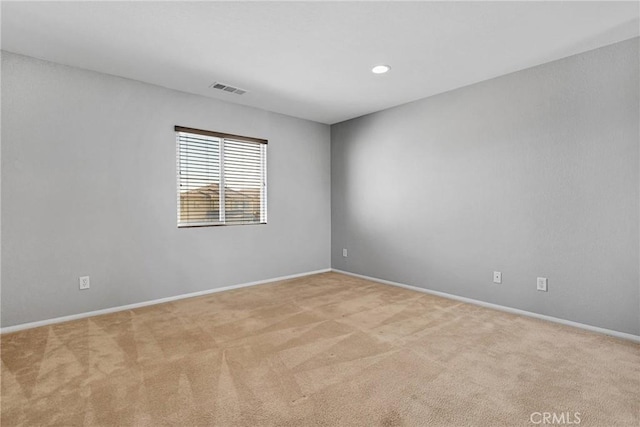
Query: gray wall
x,y
89,188
535,173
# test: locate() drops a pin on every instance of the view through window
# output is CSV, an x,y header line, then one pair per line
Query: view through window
x,y
222,178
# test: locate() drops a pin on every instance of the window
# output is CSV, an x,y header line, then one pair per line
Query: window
x,y
222,179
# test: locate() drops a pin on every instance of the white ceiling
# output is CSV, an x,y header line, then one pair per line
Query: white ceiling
x,y
313,59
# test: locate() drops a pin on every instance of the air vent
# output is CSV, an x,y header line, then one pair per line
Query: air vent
x,y
227,88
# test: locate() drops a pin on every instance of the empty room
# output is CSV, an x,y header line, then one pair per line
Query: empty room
x,y
320,213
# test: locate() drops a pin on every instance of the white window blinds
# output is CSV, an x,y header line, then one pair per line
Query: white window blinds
x,y
222,178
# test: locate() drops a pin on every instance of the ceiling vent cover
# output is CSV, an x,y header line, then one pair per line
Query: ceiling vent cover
x,y
226,88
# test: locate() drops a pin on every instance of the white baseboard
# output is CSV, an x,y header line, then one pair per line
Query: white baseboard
x,y
616,334
39,323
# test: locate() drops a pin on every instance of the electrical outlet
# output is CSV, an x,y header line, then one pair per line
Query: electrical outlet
x,y
542,284
85,282
344,252
497,277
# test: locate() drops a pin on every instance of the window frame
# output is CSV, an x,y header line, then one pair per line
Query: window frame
x,y
222,189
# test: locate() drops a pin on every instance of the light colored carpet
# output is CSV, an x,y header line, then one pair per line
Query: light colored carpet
x,y
321,350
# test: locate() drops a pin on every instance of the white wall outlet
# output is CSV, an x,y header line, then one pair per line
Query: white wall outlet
x,y
497,277
85,283
542,284
344,252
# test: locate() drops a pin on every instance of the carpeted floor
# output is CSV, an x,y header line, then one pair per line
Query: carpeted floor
x,y
327,350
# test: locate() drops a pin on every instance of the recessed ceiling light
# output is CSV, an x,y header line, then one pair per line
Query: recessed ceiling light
x,y
380,69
